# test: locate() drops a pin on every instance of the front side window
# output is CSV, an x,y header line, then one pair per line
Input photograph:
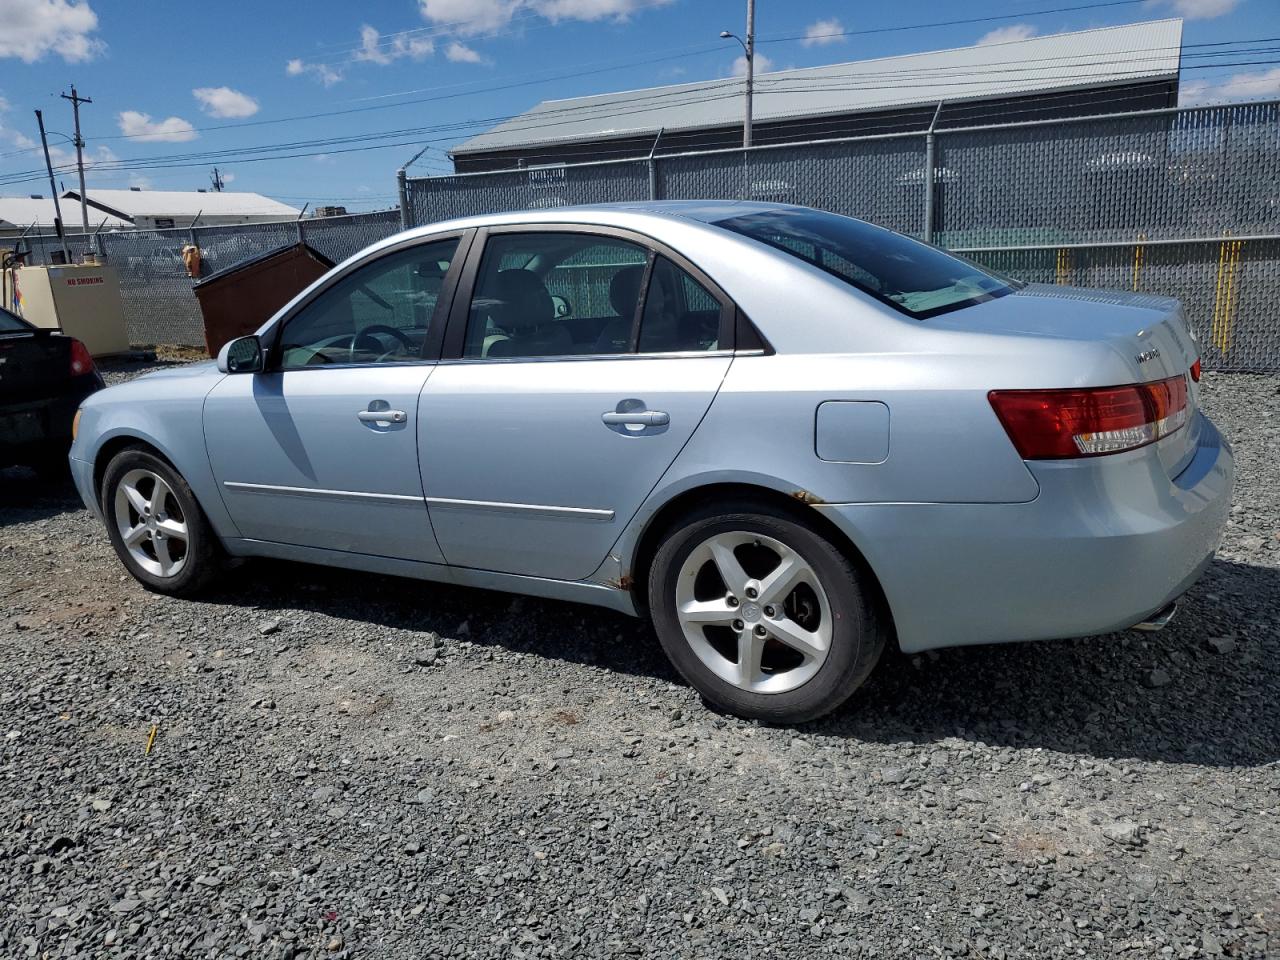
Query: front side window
x,y
380,313
554,294
912,277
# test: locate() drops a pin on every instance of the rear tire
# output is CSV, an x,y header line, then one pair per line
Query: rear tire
x,y
762,613
156,526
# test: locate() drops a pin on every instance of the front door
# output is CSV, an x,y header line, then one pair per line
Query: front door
x,y
321,449
587,364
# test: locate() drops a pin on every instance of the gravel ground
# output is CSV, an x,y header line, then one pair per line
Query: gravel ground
x,y
346,767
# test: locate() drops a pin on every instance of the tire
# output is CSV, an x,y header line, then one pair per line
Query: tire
x,y
782,683
193,563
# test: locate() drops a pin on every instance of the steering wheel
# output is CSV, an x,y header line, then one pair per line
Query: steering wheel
x,y
376,328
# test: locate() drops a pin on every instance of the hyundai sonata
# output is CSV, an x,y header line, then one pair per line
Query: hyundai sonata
x,y
788,437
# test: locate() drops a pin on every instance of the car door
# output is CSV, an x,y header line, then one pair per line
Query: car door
x,y
546,424
320,450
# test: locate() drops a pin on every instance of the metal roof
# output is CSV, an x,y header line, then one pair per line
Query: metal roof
x,y
179,203
1087,58
20,212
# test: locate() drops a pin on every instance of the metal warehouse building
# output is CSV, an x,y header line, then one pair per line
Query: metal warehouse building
x,y
1106,70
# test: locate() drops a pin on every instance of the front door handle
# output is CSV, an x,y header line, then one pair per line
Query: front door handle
x,y
382,416
642,418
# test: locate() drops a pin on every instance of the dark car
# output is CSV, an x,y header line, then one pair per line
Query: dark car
x,y
44,376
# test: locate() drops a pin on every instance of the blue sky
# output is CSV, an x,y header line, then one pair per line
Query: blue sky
x,y
174,83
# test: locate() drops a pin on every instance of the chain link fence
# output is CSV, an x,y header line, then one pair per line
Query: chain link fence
x,y
1178,202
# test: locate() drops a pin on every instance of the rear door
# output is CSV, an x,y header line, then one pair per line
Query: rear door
x,y
578,363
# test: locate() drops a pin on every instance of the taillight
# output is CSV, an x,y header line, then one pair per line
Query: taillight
x,y
1089,422
81,362
1195,370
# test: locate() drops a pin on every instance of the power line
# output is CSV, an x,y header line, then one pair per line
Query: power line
x,y
718,89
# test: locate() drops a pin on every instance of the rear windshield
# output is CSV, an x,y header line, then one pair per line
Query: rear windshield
x,y
912,277
10,323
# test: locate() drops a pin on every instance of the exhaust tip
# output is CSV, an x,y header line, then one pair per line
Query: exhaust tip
x,y
1158,620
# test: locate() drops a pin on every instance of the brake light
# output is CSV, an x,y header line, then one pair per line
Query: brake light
x,y
81,361
1195,370
1089,422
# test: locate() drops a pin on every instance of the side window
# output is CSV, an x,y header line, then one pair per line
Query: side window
x,y
381,313
554,294
680,314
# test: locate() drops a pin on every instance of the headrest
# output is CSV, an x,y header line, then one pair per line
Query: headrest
x,y
624,290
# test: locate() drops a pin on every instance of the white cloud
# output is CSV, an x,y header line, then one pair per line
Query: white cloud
x,y
822,32
471,17
375,49
225,102
762,65
1196,9
322,72
1261,85
1009,34
227,177
589,10
141,127
34,28
459,52
4,104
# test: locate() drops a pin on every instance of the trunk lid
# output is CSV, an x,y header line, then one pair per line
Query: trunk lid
x,y
1146,338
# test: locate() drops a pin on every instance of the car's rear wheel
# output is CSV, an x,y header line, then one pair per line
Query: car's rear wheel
x,y
762,613
156,526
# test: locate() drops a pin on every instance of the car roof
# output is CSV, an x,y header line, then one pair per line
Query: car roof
x,y
615,214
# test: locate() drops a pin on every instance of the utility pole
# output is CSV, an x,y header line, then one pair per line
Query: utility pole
x,y
749,55
57,207
216,180
751,68
76,100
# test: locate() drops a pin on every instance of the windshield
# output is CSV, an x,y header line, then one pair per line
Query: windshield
x,y
912,277
10,323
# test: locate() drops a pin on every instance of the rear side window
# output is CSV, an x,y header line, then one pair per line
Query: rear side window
x,y
680,315
912,277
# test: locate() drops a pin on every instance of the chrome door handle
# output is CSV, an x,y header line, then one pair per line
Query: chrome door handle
x,y
382,416
644,418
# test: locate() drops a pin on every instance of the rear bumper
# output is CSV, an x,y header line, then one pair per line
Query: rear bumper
x,y
37,426
1104,546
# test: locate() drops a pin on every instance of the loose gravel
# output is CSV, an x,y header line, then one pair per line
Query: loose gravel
x,y
317,763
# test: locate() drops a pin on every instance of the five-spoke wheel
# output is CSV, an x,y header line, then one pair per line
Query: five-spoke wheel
x,y
151,522
156,525
762,612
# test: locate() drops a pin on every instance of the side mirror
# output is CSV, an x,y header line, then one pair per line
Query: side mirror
x,y
242,355
562,306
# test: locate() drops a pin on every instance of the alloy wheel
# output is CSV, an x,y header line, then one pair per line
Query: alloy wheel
x,y
754,612
151,523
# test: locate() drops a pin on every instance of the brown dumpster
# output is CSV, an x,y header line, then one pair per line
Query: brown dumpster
x,y
238,300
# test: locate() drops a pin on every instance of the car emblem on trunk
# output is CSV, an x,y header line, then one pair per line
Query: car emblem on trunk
x,y
1146,355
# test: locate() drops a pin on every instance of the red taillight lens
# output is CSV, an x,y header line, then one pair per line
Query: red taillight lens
x,y
1059,424
81,362
1195,370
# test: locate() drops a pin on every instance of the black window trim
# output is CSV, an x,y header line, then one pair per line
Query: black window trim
x,y
436,326
455,331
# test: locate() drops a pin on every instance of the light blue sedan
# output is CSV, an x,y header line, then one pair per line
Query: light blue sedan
x,y
786,436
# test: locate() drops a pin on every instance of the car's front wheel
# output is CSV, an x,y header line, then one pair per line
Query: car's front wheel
x,y
156,525
762,613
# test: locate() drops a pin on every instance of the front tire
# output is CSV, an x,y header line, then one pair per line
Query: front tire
x,y
762,613
156,526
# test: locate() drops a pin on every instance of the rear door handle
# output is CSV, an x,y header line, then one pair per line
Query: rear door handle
x,y
382,416
643,418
